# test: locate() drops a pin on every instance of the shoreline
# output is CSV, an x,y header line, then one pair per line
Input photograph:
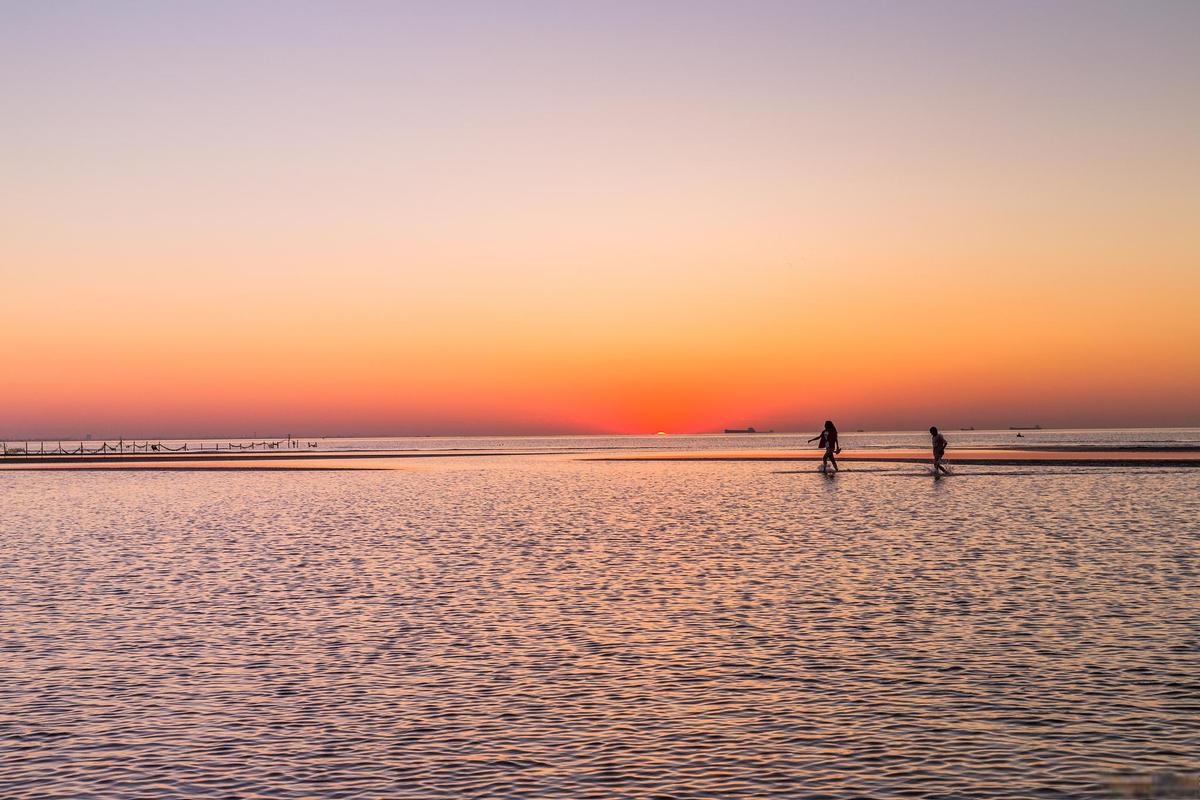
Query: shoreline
x,y
141,458
1098,457
1072,456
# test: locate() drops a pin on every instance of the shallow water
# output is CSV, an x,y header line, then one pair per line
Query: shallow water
x,y
545,627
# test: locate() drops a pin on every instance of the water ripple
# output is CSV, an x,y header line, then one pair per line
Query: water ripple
x,y
548,628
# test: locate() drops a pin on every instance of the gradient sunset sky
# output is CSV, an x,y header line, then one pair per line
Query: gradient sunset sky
x,y
404,218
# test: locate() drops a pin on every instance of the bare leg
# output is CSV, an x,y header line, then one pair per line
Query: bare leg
x,y
834,461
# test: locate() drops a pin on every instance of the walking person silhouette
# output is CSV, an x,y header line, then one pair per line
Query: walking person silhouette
x,y
939,451
829,440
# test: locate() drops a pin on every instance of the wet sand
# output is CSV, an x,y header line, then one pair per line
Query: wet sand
x,y
1008,457
1046,456
241,461
198,466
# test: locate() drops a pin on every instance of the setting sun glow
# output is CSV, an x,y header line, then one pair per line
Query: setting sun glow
x,y
372,220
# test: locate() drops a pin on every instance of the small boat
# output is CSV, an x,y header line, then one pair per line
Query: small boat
x,y
740,430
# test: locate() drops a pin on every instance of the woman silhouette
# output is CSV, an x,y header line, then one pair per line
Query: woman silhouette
x,y
829,440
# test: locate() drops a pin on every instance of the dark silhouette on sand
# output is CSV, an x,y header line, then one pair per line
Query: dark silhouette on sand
x,y
829,440
939,450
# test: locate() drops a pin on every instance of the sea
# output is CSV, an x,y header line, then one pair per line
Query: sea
x,y
539,622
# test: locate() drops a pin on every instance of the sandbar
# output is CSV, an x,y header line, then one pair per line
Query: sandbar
x,y
1094,458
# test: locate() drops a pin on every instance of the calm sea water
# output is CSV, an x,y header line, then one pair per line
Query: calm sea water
x,y
1148,437
1120,437
540,626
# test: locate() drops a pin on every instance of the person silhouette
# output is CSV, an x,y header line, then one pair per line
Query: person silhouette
x,y
939,450
828,438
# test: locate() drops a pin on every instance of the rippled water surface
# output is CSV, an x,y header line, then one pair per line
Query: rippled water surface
x,y
547,627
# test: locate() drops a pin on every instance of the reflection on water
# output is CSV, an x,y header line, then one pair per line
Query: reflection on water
x,y
554,628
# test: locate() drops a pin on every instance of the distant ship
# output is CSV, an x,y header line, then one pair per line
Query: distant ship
x,y
1018,428
740,430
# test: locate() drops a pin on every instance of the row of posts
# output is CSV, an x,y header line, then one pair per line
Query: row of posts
x,y
105,448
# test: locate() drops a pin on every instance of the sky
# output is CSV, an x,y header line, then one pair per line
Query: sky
x,y
378,218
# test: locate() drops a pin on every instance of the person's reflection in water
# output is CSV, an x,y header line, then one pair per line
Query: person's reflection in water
x,y
939,450
829,440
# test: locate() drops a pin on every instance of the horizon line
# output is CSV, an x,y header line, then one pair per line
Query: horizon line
x,y
579,434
